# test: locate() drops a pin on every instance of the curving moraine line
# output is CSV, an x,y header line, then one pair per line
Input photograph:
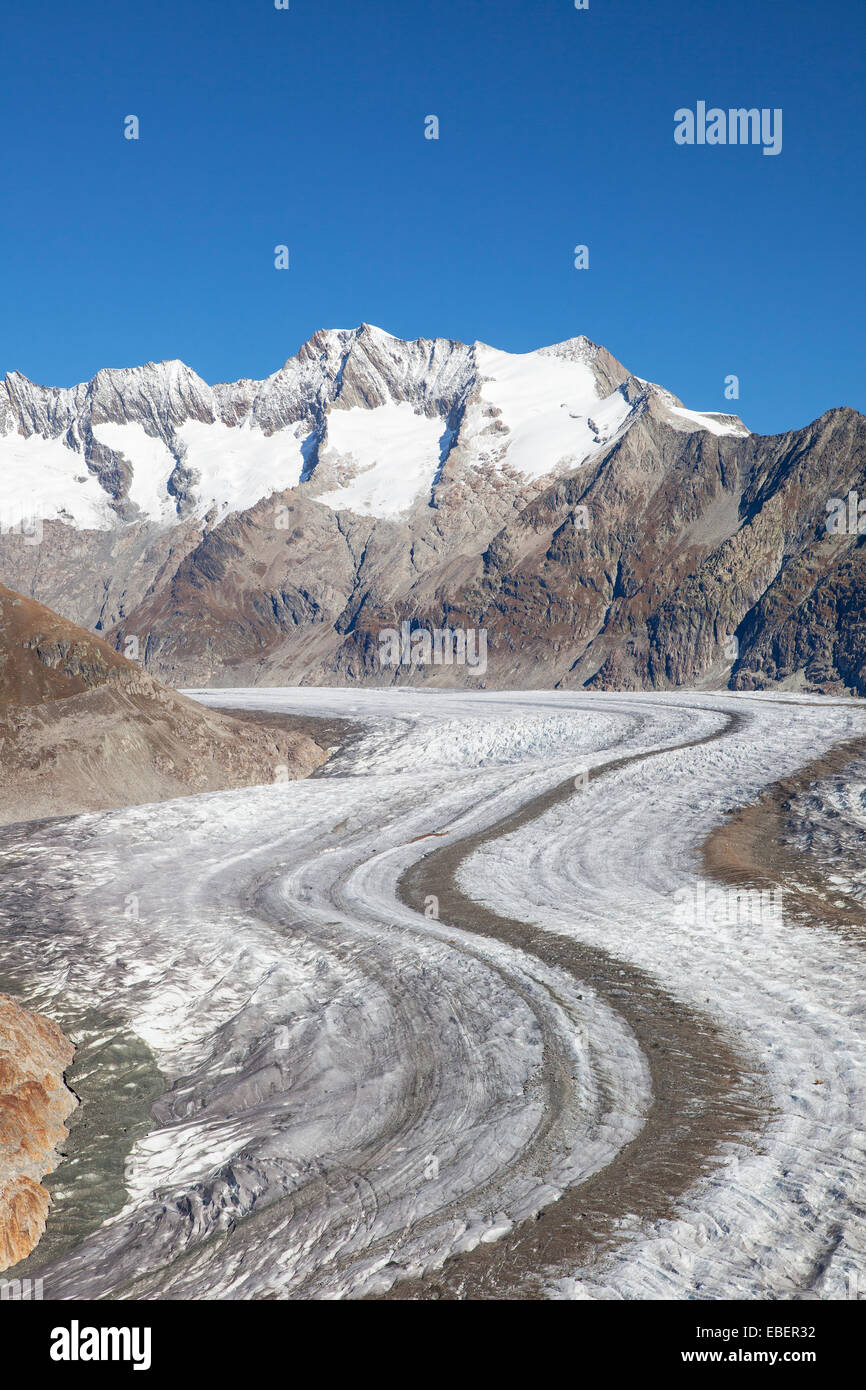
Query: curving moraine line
x,y
704,1096
705,1093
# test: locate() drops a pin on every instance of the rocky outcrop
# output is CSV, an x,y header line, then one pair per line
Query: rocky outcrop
x,y
34,1103
83,729
43,657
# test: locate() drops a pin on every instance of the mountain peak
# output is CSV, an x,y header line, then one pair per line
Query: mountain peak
x,y
360,419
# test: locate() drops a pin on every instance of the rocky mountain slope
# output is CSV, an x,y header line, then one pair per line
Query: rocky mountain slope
x,y
34,1102
599,532
82,729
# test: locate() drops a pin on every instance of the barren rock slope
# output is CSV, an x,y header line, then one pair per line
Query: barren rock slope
x,y
83,729
34,1102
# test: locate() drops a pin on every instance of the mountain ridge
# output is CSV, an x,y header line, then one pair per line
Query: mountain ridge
x,y
594,527
336,370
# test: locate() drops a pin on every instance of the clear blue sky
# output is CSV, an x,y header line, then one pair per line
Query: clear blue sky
x,y
306,127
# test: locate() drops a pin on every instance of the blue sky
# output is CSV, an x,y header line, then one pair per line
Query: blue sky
x,y
305,127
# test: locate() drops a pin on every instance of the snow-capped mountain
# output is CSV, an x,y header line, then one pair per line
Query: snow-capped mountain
x,y
363,420
598,531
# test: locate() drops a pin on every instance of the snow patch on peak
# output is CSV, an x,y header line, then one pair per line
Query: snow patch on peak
x,y
550,406
383,459
708,420
152,463
235,468
43,479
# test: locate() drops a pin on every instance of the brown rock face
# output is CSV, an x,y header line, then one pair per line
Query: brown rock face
x,y
83,729
34,1102
701,561
43,657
